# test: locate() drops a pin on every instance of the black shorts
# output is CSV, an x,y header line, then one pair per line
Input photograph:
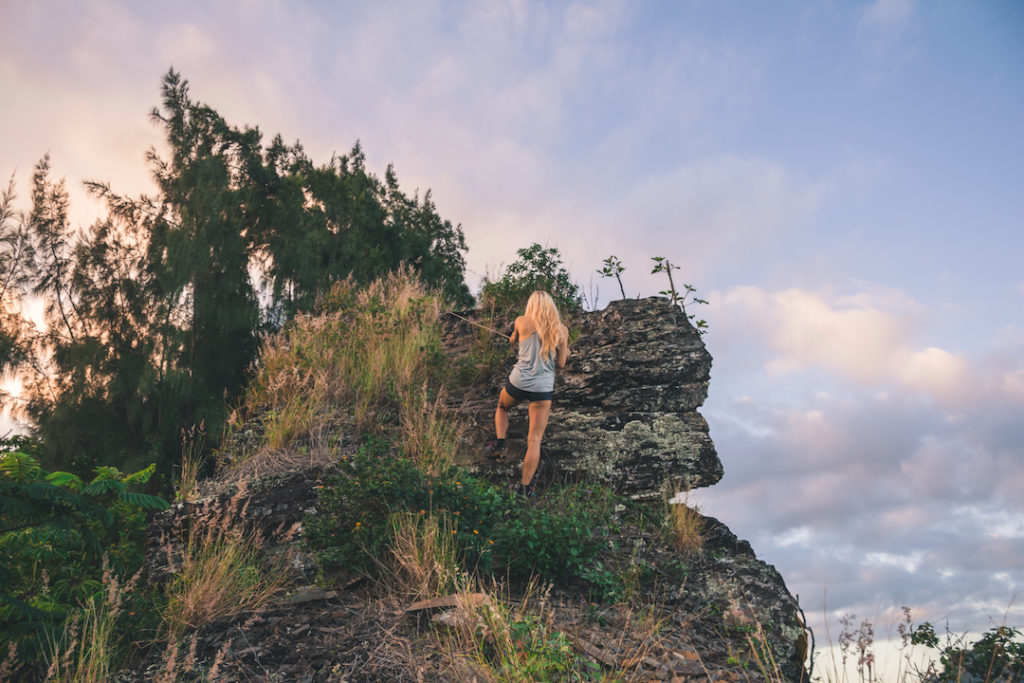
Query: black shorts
x,y
520,395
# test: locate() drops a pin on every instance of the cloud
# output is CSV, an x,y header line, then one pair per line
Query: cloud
x,y
936,372
871,338
891,466
882,26
860,336
875,500
1013,384
184,41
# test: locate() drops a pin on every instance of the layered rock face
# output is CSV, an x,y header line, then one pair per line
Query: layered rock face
x,y
625,415
625,408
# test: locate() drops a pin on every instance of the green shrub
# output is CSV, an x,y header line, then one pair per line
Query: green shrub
x,y
559,537
997,656
494,530
352,528
535,268
59,535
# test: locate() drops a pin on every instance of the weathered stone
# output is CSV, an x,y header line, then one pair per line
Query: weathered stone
x,y
275,505
729,583
625,409
625,415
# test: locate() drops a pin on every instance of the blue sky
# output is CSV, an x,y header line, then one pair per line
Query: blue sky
x,y
842,180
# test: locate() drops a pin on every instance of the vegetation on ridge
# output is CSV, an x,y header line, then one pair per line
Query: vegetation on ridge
x,y
307,299
153,314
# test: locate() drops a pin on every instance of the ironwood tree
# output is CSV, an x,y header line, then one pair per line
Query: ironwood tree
x,y
153,314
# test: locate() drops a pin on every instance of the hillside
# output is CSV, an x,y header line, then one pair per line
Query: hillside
x,y
379,544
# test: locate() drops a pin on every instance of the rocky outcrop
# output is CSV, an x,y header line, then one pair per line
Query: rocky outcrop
x,y
271,507
625,410
626,415
728,584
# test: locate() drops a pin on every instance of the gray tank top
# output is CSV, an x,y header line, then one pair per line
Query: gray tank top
x,y
533,372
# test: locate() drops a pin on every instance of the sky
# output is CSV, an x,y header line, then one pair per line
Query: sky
x,y
842,181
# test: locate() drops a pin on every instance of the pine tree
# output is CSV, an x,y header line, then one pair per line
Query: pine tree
x,y
154,313
16,256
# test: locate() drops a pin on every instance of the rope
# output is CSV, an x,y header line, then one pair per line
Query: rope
x,y
489,329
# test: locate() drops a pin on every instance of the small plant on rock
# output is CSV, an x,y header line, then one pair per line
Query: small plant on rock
x,y
663,265
613,268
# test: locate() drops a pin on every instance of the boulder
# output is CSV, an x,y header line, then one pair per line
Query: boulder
x,y
625,409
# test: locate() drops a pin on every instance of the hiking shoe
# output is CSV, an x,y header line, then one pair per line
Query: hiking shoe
x,y
528,491
495,449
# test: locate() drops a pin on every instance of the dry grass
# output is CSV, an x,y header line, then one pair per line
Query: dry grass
x,y
423,554
430,435
501,639
87,649
762,656
193,441
368,355
9,662
222,573
685,525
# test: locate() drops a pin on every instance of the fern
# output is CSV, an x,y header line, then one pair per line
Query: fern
x,y
19,466
65,480
144,500
98,487
55,532
140,477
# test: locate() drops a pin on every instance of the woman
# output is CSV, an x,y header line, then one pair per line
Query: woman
x,y
543,344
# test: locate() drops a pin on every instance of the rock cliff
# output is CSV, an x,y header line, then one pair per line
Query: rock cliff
x,y
626,417
625,413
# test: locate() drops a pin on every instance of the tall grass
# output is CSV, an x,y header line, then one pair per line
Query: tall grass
x,y
87,649
496,638
684,524
193,440
221,573
369,360
424,562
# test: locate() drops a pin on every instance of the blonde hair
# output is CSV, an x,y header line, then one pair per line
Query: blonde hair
x,y
542,310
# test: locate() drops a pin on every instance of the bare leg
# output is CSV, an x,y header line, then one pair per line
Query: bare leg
x,y
539,413
501,414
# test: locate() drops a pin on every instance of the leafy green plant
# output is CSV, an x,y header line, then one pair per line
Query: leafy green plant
x,y
558,538
613,268
663,265
57,533
536,267
997,656
352,527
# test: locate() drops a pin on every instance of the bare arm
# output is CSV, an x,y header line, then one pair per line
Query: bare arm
x,y
514,337
563,346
